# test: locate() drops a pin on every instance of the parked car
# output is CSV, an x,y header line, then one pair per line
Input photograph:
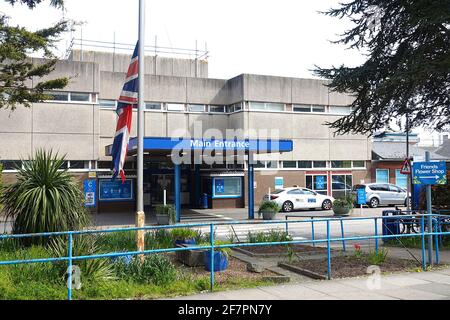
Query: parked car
x,y
299,198
383,194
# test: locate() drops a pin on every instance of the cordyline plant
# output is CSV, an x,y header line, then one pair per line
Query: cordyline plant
x,y
45,198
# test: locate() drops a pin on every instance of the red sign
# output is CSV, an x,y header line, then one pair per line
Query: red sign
x,y
406,167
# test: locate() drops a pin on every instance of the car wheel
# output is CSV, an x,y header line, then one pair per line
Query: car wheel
x,y
406,202
374,202
327,205
288,206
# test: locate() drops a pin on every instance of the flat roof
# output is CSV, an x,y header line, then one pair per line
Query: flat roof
x,y
247,145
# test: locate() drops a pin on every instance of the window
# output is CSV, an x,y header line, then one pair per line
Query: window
x,y
272,164
175,107
394,189
317,183
340,110
318,108
217,109
104,165
320,164
58,96
227,187
260,165
304,164
80,97
11,165
111,104
341,164
73,164
234,107
289,164
401,180
301,108
295,191
341,185
153,106
382,175
196,107
266,106
359,164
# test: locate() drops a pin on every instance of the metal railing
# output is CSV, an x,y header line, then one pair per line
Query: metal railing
x,y
328,240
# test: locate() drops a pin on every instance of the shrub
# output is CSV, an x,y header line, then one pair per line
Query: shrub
x,y
166,209
45,198
155,268
83,245
268,206
377,258
346,201
184,233
271,236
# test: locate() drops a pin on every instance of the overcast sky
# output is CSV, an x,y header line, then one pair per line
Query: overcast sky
x,y
282,37
271,37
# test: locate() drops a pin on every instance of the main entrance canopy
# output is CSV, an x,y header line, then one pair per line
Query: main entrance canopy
x,y
157,146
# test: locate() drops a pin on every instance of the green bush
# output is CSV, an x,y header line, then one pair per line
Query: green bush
x,y
166,209
268,206
45,198
184,233
155,268
271,236
83,245
346,201
377,258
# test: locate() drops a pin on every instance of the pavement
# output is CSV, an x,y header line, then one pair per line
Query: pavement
x,y
430,285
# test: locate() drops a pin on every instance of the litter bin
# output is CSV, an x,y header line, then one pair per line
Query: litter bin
x,y
204,201
391,226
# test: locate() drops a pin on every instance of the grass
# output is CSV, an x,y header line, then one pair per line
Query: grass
x,y
415,242
45,281
271,236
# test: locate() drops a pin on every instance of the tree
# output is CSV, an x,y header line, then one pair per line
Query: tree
x,y
17,69
45,198
407,71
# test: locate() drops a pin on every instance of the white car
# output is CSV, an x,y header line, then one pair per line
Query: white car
x,y
299,198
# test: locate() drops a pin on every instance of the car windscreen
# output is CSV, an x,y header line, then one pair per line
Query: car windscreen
x,y
358,186
277,191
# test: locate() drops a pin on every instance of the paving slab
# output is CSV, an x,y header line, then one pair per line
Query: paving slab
x,y
408,293
362,296
294,292
437,288
403,280
330,287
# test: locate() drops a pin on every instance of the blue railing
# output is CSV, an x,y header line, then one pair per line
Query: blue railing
x,y
436,233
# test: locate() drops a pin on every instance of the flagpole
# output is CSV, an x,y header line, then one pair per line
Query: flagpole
x,y
140,215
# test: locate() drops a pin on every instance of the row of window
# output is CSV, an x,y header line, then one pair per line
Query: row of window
x,y
130,165
310,164
382,176
80,97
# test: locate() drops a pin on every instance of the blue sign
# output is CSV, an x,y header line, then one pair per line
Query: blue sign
x,y
90,193
429,173
361,196
279,182
219,185
115,190
320,182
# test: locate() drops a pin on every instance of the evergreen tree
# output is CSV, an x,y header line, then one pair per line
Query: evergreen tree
x,y
17,69
407,71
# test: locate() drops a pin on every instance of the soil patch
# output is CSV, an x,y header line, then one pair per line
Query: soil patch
x,y
280,250
237,270
348,266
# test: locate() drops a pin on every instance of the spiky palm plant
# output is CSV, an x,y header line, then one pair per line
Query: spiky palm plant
x,y
45,198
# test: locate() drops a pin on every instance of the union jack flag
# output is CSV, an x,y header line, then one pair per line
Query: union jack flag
x,y
127,99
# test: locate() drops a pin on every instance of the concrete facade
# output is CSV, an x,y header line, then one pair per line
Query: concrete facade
x,y
82,129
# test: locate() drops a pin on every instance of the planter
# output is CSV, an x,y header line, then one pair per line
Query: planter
x,y
191,258
220,261
341,210
268,215
163,219
181,242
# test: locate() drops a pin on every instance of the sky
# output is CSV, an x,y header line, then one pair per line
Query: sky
x,y
271,37
282,37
